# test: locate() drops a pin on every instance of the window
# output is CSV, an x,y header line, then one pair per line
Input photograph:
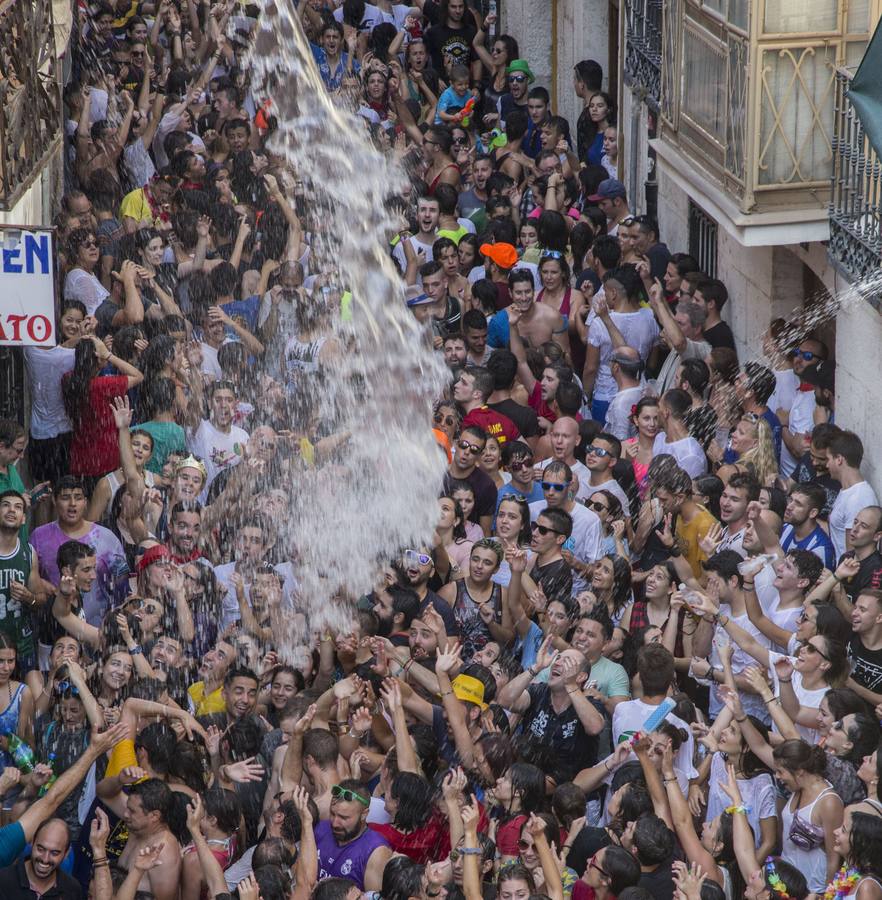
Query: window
x,y
704,83
703,240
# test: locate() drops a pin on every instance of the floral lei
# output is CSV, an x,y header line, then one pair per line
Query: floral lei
x,y
842,884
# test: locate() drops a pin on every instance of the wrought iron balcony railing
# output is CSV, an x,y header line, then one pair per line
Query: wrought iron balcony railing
x,y
30,95
855,221
643,48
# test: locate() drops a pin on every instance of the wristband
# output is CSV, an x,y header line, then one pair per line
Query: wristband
x,y
134,651
667,781
743,719
467,851
741,808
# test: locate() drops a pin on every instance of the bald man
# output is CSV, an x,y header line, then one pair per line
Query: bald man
x,y
564,440
39,873
626,367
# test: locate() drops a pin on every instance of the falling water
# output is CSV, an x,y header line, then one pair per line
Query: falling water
x,y
380,496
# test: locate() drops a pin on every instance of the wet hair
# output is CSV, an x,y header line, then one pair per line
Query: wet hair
x,y
653,840
621,868
414,795
155,796
655,665
528,783
225,807
799,755
865,839
402,879
568,803
158,741
864,736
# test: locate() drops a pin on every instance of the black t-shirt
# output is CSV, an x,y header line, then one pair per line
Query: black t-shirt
x,y
805,473
442,40
659,883
562,732
524,417
586,843
555,579
720,335
485,493
866,665
869,575
14,885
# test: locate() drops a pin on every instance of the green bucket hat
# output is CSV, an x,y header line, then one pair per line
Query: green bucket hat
x,y
521,65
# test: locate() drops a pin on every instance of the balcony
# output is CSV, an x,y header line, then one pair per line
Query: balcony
x,y
747,108
856,192
643,49
30,97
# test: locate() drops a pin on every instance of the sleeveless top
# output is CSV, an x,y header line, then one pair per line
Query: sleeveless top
x,y
437,178
16,622
811,860
474,634
564,305
115,483
349,861
9,723
302,357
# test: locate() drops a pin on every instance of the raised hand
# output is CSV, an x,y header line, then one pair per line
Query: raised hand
x,y
784,668
848,568
131,774
194,814
730,785
121,411
244,771
148,857
545,655
99,832
454,784
711,540
304,723
470,816
450,659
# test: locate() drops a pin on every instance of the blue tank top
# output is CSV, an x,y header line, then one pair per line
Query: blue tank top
x,y
9,723
348,861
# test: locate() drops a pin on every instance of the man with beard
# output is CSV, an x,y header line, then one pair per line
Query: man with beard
x,y
148,807
558,714
39,875
416,570
452,36
526,323
346,846
455,351
395,608
812,467
20,582
184,531
801,528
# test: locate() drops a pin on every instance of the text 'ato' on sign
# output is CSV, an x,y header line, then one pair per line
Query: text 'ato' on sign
x,y
27,288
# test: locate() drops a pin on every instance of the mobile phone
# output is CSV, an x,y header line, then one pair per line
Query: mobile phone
x,y
39,495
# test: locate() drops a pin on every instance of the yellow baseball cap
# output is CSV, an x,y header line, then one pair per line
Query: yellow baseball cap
x,y
466,687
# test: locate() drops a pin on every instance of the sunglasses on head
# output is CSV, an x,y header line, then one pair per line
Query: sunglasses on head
x,y
554,486
415,556
544,529
551,254
347,795
66,687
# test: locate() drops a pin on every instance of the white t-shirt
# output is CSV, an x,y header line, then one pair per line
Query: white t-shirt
x,y
217,449
371,18
741,660
85,287
629,716
849,503
210,366
801,421
640,331
618,414
687,451
786,384
758,793
417,245
45,370
138,164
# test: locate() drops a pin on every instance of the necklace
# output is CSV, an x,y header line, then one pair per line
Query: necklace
x,y
841,885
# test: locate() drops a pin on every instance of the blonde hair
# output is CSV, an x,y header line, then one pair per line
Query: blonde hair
x,y
760,459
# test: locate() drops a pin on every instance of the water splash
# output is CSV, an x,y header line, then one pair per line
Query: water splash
x,y
382,494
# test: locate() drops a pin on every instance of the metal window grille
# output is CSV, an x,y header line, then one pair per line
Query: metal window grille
x,y
703,239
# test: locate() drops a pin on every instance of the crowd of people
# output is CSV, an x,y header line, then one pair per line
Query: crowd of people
x,y
641,654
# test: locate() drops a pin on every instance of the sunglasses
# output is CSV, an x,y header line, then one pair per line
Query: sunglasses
x,y
348,796
65,687
551,254
90,242
413,556
445,420
465,445
517,464
599,451
597,507
544,529
593,865
807,355
524,846
462,141
554,486
813,649
518,78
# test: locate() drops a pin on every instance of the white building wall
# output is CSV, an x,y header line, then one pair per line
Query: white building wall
x,y
530,23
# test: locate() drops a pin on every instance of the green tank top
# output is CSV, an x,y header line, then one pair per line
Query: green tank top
x,y
15,621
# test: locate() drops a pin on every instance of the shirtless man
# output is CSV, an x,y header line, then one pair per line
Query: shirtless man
x,y
534,322
147,807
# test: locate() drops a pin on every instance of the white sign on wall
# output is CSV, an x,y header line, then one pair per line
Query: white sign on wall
x,y
27,288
